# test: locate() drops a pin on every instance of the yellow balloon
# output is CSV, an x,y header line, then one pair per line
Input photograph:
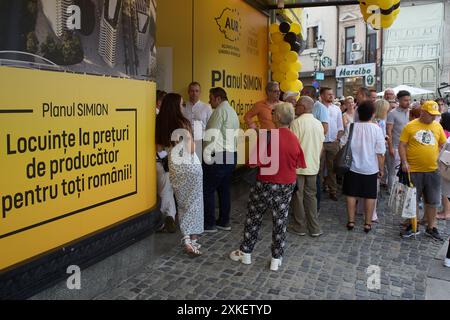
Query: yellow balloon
x,y
274,48
295,28
284,47
296,66
275,67
291,57
385,4
277,37
277,58
296,85
274,27
285,85
284,67
387,21
291,75
278,76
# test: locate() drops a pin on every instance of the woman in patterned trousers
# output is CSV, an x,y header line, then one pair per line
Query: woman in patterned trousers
x,y
273,188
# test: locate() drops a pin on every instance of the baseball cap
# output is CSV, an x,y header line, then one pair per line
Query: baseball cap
x,y
431,107
288,94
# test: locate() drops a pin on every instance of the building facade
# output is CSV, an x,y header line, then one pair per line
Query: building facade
x,y
56,14
359,52
417,50
109,30
319,23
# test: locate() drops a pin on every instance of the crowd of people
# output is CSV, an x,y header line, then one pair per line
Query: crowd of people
x,y
196,157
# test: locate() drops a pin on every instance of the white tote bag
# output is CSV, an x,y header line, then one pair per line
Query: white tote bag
x,y
402,200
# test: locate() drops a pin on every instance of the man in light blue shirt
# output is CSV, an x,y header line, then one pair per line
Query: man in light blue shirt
x,y
320,112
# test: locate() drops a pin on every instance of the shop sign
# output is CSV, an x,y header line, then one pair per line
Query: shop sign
x,y
357,70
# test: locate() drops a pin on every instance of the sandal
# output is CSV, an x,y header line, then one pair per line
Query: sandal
x,y
350,225
367,227
191,249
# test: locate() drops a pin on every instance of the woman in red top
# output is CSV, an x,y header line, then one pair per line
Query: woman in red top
x,y
274,185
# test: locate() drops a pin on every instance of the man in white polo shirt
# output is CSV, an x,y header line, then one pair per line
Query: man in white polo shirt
x,y
332,138
196,111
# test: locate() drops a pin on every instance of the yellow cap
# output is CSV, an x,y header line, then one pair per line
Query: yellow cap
x,y
431,107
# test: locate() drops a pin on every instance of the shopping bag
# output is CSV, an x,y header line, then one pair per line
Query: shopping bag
x,y
402,200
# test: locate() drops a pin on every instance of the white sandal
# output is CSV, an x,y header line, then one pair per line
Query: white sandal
x,y
190,248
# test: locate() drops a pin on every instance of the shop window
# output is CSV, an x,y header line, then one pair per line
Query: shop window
x,y
409,76
349,39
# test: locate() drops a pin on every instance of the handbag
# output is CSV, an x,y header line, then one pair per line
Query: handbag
x,y
164,161
344,158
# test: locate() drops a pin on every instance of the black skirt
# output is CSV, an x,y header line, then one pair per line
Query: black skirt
x,y
360,185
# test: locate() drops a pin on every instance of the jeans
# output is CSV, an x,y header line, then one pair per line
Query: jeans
x,y
216,177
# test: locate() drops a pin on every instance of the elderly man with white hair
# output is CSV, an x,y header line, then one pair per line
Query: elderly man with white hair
x,y
311,136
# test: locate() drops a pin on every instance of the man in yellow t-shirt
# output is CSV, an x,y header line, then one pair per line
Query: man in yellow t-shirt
x,y
420,142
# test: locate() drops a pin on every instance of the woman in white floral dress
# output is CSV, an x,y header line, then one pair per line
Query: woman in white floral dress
x,y
173,130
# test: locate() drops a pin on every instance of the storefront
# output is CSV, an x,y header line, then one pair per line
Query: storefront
x,y
352,77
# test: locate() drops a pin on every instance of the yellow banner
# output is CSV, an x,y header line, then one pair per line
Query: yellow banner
x,y
231,51
76,155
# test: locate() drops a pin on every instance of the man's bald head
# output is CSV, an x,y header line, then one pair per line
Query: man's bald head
x,y
305,104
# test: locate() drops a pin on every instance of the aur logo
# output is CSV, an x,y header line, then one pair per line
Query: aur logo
x,y
229,23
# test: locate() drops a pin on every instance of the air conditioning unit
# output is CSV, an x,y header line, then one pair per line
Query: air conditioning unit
x,y
356,55
356,46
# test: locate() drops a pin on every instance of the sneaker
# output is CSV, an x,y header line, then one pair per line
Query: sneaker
x,y
169,224
447,262
434,233
275,264
315,235
238,255
224,228
210,230
408,232
291,229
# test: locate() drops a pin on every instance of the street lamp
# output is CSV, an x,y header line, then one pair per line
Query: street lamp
x,y
320,46
317,58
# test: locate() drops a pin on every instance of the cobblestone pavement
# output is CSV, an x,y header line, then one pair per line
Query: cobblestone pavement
x,y
333,266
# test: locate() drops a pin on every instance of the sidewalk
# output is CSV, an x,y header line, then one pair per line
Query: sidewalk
x,y
333,266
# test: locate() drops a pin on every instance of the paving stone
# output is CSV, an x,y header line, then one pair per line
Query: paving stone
x,y
331,267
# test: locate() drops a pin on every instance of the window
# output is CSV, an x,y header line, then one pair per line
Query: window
x,y
428,76
313,35
409,76
418,51
349,39
404,53
391,77
371,45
